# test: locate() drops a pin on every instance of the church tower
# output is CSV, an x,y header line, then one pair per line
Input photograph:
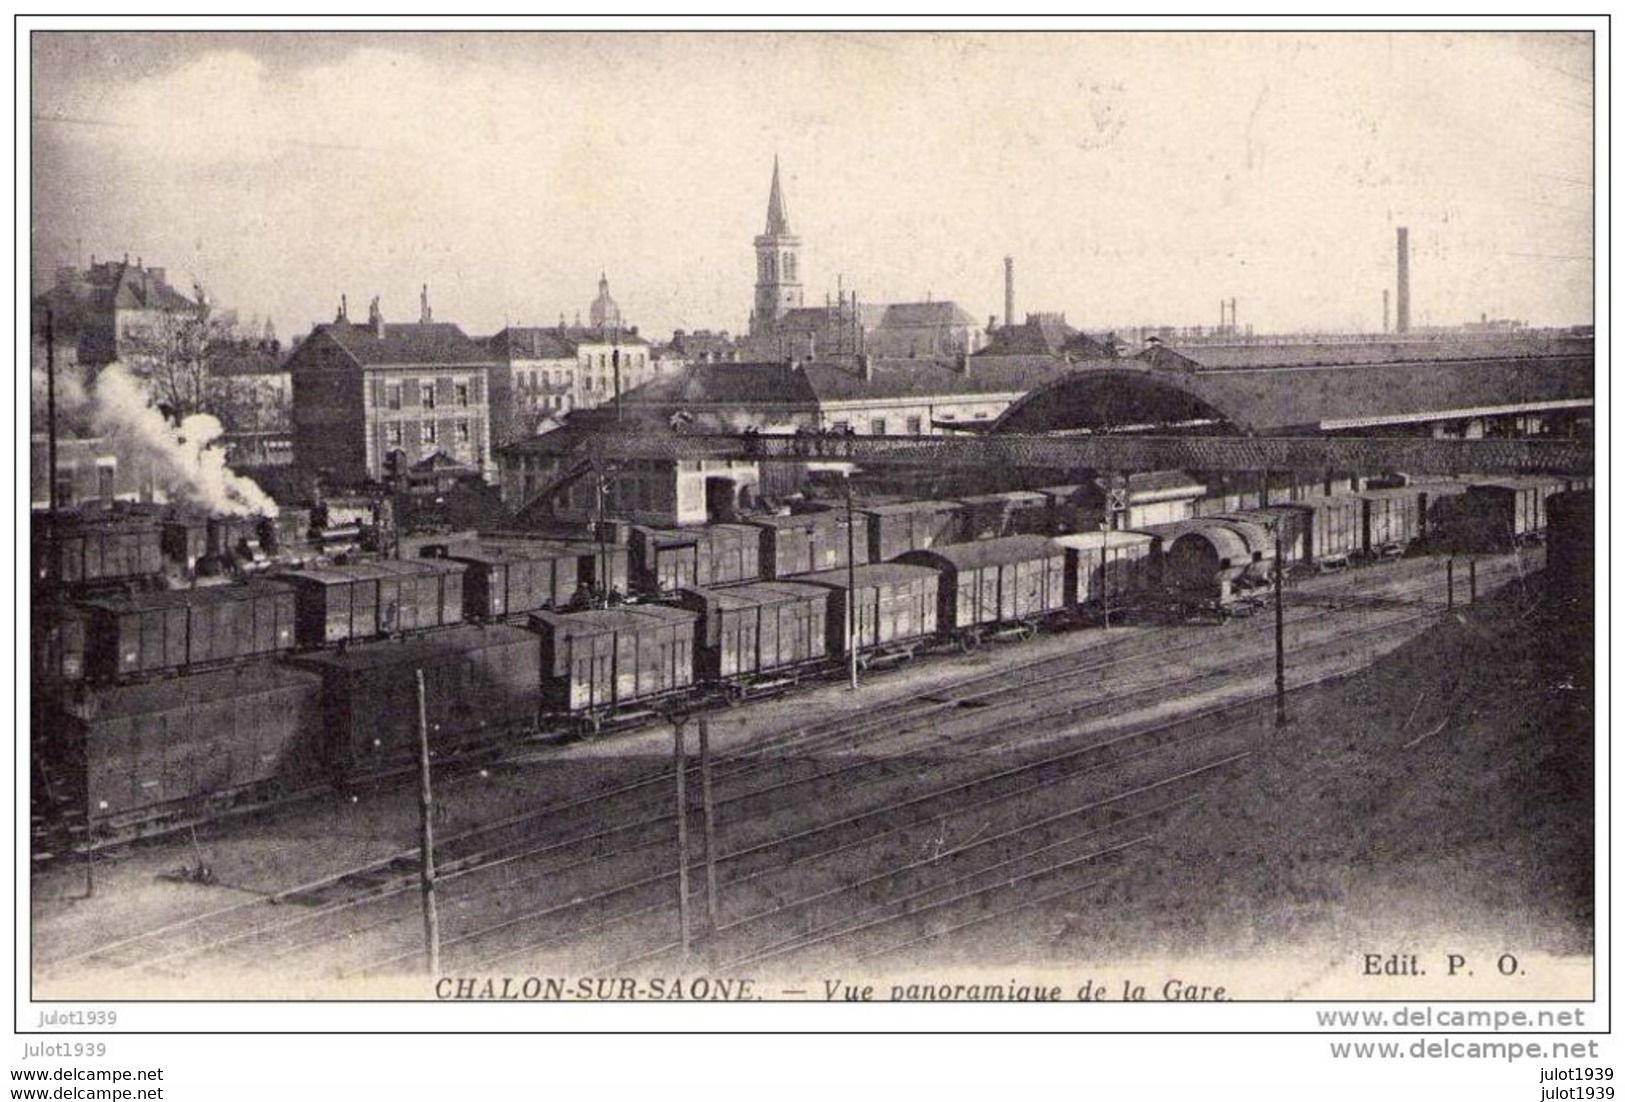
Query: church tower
x,y
778,265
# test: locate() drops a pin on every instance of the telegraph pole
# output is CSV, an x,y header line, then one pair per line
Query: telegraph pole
x,y
851,592
707,808
1280,637
680,760
431,919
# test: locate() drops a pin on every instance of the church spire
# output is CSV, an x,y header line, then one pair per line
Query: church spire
x,y
777,221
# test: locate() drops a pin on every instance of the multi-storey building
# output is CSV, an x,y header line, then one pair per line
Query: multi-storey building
x,y
372,401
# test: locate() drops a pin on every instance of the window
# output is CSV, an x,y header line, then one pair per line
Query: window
x,y
913,424
428,395
840,426
392,434
603,361
586,383
392,395
460,394
463,436
431,432
877,427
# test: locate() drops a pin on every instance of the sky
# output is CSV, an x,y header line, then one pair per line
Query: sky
x,y
1135,178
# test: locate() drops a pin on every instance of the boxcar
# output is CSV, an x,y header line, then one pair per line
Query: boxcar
x,y
85,551
757,629
601,566
1108,570
139,752
896,605
807,543
1336,531
57,648
501,581
185,540
480,684
1514,509
1391,520
164,632
598,661
665,560
891,530
1014,512
337,604
1014,580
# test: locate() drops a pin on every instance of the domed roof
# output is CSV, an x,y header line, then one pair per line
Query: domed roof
x,y
604,313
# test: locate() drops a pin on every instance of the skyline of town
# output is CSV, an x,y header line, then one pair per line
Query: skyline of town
x,y
676,244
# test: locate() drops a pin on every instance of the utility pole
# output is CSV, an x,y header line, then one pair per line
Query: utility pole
x,y
1280,637
50,412
1450,583
431,919
680,764
707,807
851,592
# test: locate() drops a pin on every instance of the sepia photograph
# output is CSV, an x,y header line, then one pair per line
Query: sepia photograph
x,y
752,516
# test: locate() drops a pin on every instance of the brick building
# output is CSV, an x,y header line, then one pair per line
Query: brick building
x,y
371,400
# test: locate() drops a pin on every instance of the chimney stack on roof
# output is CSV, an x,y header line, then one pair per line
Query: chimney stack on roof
x,y
866,367
375,318
1009,291
426,315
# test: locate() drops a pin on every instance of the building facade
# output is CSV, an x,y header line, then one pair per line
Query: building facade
x,y
371,401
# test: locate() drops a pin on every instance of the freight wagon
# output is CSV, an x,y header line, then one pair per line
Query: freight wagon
x,y
758,636
185,746
601,663
1336,531
807,543
1511,511
146,634
896,610
480,682
603,567
513,580
893,529
1108,572
997,587
665,560
1014,512
1391,520
82,551
338,604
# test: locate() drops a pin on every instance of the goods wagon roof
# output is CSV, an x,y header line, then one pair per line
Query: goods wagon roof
x,y
1019,497
1090,541
996,552
177,598
420,566
872,574
596,621
423,648
752,594
157,696
905,507
797,520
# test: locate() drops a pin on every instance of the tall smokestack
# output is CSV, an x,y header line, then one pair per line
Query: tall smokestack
x,y
1009,291
1403,306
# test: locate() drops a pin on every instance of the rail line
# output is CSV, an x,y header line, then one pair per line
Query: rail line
x,y
747,760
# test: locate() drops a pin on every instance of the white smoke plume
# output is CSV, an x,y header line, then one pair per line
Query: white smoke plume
x,y
184,461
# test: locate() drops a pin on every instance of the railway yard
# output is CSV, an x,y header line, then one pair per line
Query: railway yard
x,y
1085,794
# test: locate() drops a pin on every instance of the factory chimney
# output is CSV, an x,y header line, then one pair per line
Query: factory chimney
x,y
1402,320
1009,291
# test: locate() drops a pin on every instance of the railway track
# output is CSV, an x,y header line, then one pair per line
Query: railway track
x,y
658,835
483,848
